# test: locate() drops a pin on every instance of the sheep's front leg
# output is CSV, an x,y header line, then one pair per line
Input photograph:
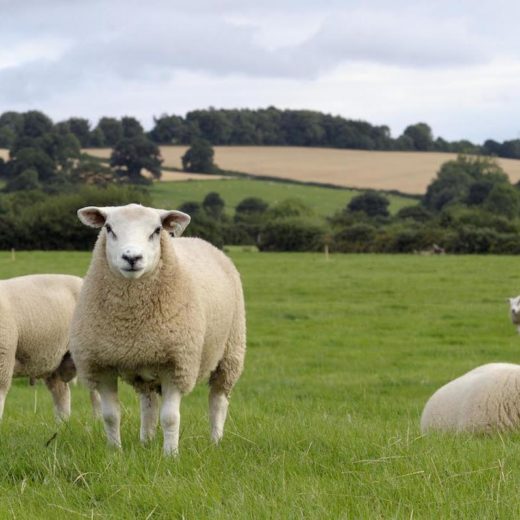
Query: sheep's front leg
x,y
149,415
218,407
110,411
170,416
60,392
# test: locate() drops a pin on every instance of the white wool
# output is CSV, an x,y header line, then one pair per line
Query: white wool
x,y
35,315
160,312
484,400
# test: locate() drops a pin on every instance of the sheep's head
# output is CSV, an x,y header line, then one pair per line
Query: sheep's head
x,y
514,307
133,244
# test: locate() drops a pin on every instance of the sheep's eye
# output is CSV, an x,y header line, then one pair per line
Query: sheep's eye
x,y
110,230
156,232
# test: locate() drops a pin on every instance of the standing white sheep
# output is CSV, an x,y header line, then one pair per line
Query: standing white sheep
x,y
484,400
160,312
35,315
514,312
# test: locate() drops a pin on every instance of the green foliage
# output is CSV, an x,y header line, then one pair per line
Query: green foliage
x,y
322,201
251,206
292,234
50,222
112,130
131,155
80,128
289,208
199,158
503,199
213,205
421,136
169,130
464,180
415,213
357,238
131,127
371,203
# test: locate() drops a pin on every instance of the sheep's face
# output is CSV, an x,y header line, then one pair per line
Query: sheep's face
x,y
514,307
133,244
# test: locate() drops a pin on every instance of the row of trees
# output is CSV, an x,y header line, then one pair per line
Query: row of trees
x,y
269,126
44,155
471,207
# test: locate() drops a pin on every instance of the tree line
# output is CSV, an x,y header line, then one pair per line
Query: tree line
x,y
267,126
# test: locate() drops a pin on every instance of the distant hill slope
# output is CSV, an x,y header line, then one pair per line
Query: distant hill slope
x,y
407,172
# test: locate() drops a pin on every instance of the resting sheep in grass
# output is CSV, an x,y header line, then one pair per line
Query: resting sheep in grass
x,y
35,315
514,312
484,400
160,312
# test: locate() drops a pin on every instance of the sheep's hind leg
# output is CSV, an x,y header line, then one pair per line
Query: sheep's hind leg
x,y
149,415
60,392
95,400
7,363
221,382
110,409
3,394
170,415
218,407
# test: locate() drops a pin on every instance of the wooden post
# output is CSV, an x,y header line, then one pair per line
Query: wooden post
x,y
13,254
326,251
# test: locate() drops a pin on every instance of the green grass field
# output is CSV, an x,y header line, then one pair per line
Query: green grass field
x,y
324,201
324,422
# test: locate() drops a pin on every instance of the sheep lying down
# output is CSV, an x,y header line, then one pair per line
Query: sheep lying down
x,y
484,400
35,315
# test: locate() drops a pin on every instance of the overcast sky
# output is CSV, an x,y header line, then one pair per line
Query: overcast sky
x,y
454,65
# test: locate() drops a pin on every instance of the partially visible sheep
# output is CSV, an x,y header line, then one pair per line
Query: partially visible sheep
x,y
514,312
484,400
160,312
35,315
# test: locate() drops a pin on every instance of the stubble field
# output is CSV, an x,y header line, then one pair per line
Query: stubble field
x,y
407,172
324,422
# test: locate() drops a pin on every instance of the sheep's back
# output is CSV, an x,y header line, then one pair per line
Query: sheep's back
x,y
483,400
41,308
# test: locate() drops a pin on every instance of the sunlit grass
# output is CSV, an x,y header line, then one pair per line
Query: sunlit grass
x,y
325,420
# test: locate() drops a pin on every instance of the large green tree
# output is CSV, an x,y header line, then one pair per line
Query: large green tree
x,y
199,158
421,136
133,155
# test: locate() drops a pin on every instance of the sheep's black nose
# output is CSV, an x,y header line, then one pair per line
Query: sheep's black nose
x,y
132,259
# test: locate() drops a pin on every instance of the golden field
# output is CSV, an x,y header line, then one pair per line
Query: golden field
x,y
408,172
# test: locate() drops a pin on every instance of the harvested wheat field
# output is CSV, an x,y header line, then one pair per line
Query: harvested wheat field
x,y
408,172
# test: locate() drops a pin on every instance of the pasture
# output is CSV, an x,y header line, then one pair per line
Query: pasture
x,y
407,172
324,422
324,201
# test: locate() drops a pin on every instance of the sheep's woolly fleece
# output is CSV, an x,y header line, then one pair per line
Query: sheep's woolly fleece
x,y
484,400
187,316
35,315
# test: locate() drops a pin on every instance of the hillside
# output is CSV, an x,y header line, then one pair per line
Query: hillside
x,y
408,172
324,201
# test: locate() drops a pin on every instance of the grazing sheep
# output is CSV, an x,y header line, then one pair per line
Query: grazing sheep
x,y
160,312
35,315
514,312
484,400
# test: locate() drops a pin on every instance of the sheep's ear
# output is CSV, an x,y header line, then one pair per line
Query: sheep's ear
x,y
92,216
174,221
